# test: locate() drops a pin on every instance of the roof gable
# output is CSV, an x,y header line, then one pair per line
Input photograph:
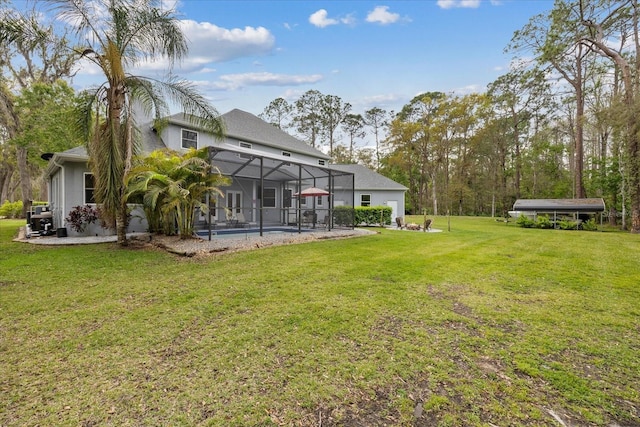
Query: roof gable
x,y
366,179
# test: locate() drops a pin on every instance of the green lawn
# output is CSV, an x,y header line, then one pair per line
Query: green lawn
x,y
486,324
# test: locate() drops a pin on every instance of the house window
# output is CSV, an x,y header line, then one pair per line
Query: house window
x,y
365,200
322,162
88,187
318,200
269,198
244,145
189,139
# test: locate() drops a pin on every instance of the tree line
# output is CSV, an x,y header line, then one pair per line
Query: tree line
x,y
563,122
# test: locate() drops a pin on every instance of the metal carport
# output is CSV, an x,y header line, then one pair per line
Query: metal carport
x,y
574,207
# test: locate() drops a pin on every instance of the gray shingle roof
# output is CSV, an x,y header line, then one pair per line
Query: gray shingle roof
x,y
245,126
366,179
150,142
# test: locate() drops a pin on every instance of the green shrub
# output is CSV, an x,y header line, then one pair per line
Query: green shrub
x,y
544,222
11,209
373,215
343,215
568,224
525,221
590,225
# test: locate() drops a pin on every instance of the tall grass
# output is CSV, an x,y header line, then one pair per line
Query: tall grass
x,y
484,324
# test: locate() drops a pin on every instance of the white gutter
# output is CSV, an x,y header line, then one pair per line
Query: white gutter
x,y
58,213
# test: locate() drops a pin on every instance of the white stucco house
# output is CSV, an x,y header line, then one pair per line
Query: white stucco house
x,y
267,166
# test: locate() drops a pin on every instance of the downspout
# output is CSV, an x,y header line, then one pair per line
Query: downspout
x,y
60,191
353,200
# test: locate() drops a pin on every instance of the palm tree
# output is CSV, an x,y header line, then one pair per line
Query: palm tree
x,y
116,35
173,186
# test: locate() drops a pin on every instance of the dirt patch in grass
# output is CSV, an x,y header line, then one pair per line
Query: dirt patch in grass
x,y
195,247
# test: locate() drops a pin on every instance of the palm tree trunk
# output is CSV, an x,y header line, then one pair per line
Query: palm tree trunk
x,y
121,225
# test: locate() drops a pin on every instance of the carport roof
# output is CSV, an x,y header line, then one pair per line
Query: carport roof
x,y
560,205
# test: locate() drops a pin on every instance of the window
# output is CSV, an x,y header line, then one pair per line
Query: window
x,y
244,145
88,187
322,162
318,200
365,200
189,139
234,202
269,200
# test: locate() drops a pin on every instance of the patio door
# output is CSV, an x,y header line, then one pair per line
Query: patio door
x,y
234,202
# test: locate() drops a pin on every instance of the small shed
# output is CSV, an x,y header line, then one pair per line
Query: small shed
x,y
578,208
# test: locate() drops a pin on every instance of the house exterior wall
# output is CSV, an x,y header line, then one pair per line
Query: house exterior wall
x,y
381,198
172,137
67,191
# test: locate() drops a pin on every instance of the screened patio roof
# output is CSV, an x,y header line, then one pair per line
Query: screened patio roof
x,y
241,162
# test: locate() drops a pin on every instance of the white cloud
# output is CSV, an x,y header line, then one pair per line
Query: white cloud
x,y
469,89
239,81
210,43
382,101
381,15
320,19
350,19
448,4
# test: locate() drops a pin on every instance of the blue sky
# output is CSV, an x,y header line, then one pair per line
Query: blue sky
x,y
244,54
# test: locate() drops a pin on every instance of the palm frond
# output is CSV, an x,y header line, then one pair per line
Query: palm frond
x,y
83,16
149,32
25,30
197,110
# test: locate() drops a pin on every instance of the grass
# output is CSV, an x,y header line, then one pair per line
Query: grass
x,y
487,324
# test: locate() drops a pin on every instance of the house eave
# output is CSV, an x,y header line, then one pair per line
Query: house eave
x,y
58,159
